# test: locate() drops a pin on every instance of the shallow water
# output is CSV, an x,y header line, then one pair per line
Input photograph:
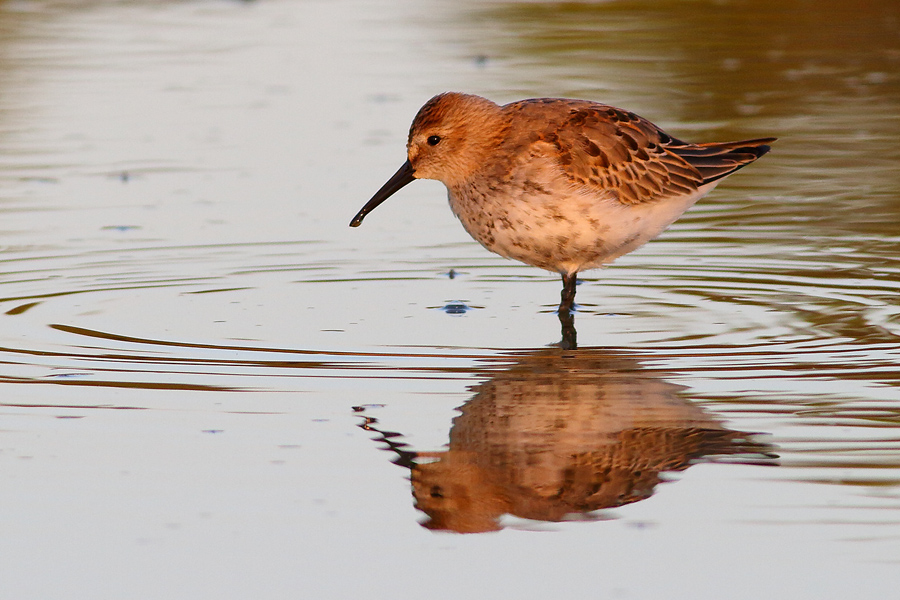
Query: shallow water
x,y
233,394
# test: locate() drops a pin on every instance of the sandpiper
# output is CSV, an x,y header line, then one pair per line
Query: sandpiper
x,y
564,185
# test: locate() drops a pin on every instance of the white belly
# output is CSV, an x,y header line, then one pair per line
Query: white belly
x,y
567,233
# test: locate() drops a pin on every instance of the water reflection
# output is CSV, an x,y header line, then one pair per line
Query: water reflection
x,y
558,435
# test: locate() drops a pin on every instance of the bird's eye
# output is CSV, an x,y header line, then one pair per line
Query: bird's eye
x,y
434,140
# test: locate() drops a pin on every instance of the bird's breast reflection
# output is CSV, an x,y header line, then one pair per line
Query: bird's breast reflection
x,y
558,435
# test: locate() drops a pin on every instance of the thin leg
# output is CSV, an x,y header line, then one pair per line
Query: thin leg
x,y
567,296
566,316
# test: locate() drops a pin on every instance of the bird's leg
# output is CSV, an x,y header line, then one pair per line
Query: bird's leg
x,y
567,296
565,313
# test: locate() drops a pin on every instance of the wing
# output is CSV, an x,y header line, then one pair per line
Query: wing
x,y
615,151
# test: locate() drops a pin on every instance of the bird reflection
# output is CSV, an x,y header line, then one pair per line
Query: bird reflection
x,y
558,435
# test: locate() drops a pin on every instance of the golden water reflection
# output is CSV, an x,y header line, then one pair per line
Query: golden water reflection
x,y
558,435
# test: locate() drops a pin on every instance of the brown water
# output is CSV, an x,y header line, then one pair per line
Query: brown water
x,y
213,388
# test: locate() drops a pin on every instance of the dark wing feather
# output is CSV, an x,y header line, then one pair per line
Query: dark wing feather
x,y
717,160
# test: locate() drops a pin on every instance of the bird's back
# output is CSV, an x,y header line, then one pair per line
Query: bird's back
x,y
611,149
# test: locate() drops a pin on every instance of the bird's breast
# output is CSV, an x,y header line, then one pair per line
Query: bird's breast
x,y
559,227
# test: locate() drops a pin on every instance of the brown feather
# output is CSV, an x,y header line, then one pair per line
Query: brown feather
x,y
609,149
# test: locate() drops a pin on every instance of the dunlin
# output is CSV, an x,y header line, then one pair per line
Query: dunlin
x,y
564,185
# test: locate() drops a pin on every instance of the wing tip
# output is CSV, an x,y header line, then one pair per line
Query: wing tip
x,y
722,159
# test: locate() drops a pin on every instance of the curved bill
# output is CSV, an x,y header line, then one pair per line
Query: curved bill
x,y
404,175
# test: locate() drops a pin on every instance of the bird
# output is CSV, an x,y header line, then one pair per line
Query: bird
x,y
565,185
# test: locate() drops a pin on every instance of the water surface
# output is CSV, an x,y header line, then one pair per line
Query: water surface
x,y
212,387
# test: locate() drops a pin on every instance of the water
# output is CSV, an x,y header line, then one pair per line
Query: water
x,y
215,388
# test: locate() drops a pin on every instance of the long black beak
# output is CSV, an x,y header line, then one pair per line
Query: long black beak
x,y
404,175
